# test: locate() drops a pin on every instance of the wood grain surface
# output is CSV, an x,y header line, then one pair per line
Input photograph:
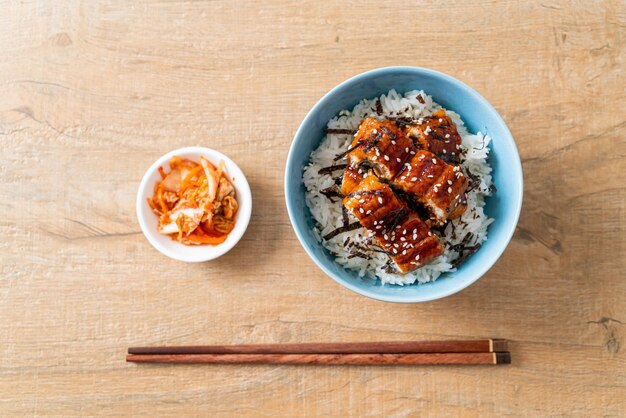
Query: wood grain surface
x,y
92,92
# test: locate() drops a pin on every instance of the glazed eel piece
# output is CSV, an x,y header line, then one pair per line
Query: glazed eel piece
x,y
378,146
437,134
382,148
399,231
438,186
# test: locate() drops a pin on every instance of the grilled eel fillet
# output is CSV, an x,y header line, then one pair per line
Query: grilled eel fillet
x,y
381,147
440,187
377,145
437,134
399,231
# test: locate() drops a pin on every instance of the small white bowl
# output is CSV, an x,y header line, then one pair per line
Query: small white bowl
x,y
149,221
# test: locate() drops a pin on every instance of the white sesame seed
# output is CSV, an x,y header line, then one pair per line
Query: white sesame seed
x,y
447,142
440,120
413,178
453,153
404,252
386,237
422,157
361,200
386,157
395,251
398,160
380,200
412,153
430,176
444,151
374,158
406,149
368,212
449,189
430,234
375,222
393,142
458,146
396,245
447,135
379,227
361,210
450,182
414,236
417,257
438,185
404,232
402,239
434,161
374,131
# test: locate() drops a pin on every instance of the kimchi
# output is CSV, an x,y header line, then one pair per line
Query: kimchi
x,y
196,203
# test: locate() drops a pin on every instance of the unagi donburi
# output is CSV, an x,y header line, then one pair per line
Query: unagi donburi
x,y
397,188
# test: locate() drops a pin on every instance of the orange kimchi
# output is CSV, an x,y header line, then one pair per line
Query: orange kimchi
x,y
196,203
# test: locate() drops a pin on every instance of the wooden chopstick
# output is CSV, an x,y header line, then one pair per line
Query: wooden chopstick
x,y
336,359
391,347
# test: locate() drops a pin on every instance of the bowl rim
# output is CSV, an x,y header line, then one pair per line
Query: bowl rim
x,y
478,272
244,212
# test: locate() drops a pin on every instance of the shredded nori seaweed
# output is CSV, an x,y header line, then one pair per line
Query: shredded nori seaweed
x,y
348,151
341,230
359,254
474,180
331,169
379,107
401,122
465,253
386,130
331,192
340,131
344,216
450,159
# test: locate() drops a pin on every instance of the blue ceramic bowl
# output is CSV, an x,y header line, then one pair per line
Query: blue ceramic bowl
x,y
478,115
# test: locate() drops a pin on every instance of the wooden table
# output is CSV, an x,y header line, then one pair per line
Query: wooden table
x,y
91,93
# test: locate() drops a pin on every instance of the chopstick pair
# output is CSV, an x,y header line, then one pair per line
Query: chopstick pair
x,y
463,352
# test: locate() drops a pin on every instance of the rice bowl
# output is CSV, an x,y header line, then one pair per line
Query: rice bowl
x,y
478,115
349,249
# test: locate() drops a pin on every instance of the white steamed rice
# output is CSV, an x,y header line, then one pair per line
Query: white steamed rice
x,y
328,215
